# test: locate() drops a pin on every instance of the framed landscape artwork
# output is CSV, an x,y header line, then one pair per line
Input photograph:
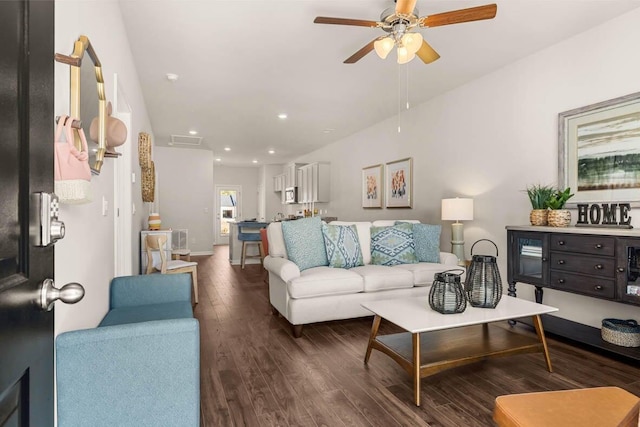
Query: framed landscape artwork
x,y
599,151
399,183
372,186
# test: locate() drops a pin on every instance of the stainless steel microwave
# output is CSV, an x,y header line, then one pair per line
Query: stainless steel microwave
x,y
291,195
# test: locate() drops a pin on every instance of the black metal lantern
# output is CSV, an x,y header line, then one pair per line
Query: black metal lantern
x,y
447,294
483,283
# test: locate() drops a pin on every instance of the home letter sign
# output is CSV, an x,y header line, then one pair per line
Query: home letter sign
x,y
604,215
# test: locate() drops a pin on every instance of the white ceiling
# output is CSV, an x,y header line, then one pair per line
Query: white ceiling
x,y
241,63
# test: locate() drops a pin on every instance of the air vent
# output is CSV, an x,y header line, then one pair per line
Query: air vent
x,y
192,141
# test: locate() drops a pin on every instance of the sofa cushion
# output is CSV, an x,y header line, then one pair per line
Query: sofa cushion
x,y
276,240
427,240
304,242
342,245
379,277
145,313
320,281
424,272
393,245
364,236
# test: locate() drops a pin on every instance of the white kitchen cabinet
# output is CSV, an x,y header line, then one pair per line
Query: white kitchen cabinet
x,y
278,182
315,183
292,175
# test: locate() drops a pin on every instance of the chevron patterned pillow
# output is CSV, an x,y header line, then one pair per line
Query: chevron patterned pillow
x,y
393,245
343,246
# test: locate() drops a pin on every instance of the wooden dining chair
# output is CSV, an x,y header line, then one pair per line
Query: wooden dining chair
x,y
155,244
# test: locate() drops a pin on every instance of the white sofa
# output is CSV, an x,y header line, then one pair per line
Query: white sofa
x,y
321,294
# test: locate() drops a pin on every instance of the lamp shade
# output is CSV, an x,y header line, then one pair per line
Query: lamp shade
x,y
383,46
412,41
457,209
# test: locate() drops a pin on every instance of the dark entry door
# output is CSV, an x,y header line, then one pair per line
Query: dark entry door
x,y
26,166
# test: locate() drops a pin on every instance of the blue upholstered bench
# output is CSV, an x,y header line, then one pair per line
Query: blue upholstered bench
x,y
140,366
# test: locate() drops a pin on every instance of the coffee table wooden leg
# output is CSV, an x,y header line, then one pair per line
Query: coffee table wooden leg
x,y
372,337
416,367
538,325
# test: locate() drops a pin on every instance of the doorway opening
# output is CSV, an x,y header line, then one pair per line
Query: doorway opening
x,y
228,208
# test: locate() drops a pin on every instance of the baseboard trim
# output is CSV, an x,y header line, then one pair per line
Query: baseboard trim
x,y
247,261
202,253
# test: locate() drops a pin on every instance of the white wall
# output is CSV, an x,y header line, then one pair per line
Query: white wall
x,y
270,201
248,178
185,194
490,139
85,255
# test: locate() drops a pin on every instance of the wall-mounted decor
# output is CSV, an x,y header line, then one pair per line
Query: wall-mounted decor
x,y
148,183
599,151
88,99
372,186
399,183
144,150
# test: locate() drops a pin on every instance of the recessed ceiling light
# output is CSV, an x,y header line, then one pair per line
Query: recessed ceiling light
x,y
272,151
328,130
172,77
227,148
282,116
218,159
193,132
254,161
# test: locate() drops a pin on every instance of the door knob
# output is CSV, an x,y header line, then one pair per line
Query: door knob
x,y
70,293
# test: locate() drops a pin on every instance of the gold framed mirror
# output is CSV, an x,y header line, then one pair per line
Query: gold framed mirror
x,y
88,100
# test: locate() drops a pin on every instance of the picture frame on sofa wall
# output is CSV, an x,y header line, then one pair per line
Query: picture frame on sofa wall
x,y
399,183
372,187
599,151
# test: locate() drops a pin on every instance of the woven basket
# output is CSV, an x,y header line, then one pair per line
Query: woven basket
x,y
144,150
148,183
625,333
538,216
559,218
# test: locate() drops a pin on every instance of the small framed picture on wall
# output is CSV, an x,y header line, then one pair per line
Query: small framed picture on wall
x,y
372,186
399,183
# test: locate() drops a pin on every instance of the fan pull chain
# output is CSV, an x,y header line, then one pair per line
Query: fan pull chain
x,y
407,84
399,96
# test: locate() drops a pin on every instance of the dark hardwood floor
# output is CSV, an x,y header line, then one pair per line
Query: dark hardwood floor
x,y
254,373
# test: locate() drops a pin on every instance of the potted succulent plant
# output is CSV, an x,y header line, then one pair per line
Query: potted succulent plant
x,y
558,216
539,195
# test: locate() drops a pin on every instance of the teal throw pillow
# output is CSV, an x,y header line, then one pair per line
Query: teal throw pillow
x,y
393,245
427,241
304,242
342,245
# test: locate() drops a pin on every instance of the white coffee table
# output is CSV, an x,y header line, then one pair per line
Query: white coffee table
x,y
434,342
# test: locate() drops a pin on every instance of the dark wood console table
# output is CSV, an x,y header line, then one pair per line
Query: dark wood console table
x,y
600,263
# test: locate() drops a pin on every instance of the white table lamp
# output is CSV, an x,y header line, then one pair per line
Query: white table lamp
x,y
457,210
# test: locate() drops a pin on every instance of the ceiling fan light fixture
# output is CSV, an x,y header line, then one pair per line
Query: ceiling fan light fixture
x,y
404,55
383,47
412,41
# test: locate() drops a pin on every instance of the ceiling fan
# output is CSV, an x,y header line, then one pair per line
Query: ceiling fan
x,y
399,21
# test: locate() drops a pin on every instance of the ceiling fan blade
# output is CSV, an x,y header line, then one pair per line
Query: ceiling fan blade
x,y
360,54
459,16
405,7
426,53
345,21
